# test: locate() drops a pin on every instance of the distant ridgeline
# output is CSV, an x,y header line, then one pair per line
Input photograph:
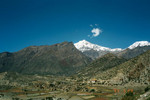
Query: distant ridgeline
x,y
95,51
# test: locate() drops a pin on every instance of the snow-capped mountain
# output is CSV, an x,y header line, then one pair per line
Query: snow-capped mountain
x,y
94,51
139,44
85,46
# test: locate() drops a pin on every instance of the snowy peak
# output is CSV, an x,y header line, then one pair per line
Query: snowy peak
x,y
85,46
139,44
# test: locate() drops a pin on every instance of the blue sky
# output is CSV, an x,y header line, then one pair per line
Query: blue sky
x,y
45,22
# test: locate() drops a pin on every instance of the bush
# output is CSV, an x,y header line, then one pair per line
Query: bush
x,y
92,90
147,89
129,96
29,99
148,98
49,98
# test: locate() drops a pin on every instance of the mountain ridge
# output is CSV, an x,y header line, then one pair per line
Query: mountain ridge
x,y
84,45
139,44
62,58
94,51
135,70
101,64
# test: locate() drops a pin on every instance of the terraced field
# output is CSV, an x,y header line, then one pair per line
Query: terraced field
x,y
105,93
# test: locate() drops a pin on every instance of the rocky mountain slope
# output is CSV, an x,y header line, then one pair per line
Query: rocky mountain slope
x,y
131,53
100,65
58,59
136,70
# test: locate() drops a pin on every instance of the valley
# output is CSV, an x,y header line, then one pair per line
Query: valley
x,y
74,50
28,87
64,72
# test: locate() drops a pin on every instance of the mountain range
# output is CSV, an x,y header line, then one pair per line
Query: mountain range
x,y
67,58
129,66
95,51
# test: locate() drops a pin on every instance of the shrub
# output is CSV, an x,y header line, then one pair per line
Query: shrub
x,y
29,99
92,90
148,98
129,96
147,89
129,93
